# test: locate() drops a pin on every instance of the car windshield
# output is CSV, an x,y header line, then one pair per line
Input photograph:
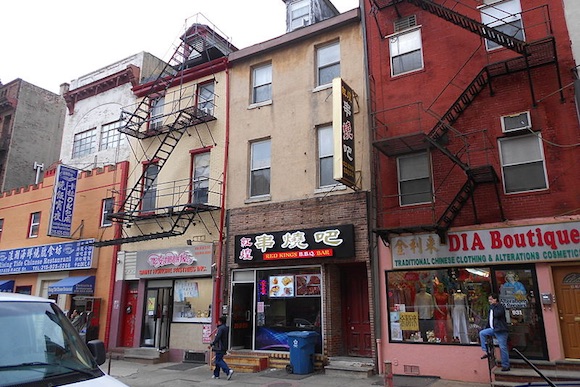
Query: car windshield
x,y
39,346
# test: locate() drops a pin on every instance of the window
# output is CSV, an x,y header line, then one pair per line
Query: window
x,y
262,83
451,305
522,163
192,300
414,179
260,168
156,112
1,228
328,62
294,304
406,52
34,225
206,97
299,14
200,178
84,143
325,156
110,136
149,199
505,17
107,208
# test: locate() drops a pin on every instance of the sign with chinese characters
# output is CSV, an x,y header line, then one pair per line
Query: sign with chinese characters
x,y
343,132
187,261
63,201
53,257
554,242
327,242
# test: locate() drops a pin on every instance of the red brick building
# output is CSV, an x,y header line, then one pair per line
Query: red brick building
x,y
475,136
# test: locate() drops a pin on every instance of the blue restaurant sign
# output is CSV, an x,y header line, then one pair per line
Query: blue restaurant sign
x,y
53,257
63,201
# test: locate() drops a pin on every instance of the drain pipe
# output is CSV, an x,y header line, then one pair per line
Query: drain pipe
x,y
217,291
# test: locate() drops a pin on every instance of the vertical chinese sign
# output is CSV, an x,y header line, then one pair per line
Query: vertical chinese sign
x,y
343,132
63,201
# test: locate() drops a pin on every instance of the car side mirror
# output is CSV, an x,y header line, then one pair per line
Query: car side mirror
x,y
97,348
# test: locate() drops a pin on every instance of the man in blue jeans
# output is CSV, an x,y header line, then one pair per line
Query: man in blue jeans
x,y
219,345
496,326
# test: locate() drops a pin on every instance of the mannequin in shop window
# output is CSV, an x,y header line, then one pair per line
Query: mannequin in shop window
x,y
441,314
425,306
459,315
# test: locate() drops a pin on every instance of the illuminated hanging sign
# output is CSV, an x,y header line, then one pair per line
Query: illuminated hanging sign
x,y
63,201
343,132
324,242
555,242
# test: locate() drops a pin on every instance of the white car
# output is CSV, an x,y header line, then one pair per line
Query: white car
x,y
39,347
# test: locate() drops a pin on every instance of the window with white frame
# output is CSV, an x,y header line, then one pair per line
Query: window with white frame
x,y
200,178
406,52
206,97
149,194
110,136
156,112
522,163
504,16
260,168
84,143
299,14
262,83
107,208
34,227
325,157
414,173
328,63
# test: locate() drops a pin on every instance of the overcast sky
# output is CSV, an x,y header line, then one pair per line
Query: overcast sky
x,y
48,43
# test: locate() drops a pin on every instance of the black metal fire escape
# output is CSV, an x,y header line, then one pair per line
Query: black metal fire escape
x,y
533,54
172,220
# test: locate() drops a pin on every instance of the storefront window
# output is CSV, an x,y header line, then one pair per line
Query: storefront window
x,y
450,306
192,300
287,300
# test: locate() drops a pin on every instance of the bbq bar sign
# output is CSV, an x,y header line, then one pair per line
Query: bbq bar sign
x,y
525,244
325,242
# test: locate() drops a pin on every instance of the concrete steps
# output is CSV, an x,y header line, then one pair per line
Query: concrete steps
x,y
560,372
140,355
353,367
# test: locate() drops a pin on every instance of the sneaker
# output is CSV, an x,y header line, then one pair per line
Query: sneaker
x,y
485,356
230,374
505,369
215,377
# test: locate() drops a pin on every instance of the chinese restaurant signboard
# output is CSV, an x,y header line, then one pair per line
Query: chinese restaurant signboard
x,y
343,132
555,242
324,242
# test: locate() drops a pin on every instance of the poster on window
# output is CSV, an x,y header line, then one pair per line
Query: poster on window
x,y
307,285
281,286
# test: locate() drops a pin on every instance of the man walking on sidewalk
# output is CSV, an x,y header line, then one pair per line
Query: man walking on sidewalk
x,y
219,345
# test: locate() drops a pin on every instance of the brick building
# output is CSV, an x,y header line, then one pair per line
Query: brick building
x,y
475,131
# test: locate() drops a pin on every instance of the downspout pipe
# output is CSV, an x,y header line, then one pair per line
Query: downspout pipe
x,y
217,290
124,166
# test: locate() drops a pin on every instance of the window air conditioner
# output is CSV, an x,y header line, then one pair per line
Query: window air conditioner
x,y
515,122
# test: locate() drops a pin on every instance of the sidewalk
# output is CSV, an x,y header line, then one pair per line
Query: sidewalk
x,y
194,374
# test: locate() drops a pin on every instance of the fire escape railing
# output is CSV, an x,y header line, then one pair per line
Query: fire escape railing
x,y
533,54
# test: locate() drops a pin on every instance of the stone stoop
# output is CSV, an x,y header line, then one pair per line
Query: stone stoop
x,y
560,372
356,368
145,355
246,363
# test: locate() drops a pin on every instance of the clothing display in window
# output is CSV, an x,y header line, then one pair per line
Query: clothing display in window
x,y
459,316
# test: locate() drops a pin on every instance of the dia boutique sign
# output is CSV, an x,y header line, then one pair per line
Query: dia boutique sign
x,y
525,244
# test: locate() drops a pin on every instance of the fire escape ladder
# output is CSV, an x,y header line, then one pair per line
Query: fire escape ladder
x,y
471,25
170,138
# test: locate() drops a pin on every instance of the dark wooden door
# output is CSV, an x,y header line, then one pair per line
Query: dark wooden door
x,y
357,314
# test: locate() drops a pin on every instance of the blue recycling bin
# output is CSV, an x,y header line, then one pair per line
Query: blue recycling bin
x,y
302,345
